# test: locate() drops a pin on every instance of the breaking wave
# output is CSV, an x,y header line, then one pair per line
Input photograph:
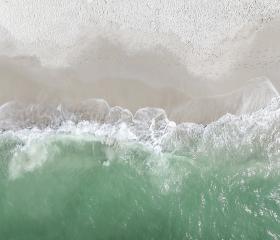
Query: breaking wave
x,y
116,175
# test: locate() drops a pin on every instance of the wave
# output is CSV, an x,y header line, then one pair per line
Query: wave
x,y
244,135
123,172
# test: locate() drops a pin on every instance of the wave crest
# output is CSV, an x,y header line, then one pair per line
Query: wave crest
x,y
246,137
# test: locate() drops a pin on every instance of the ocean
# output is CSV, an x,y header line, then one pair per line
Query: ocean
x,y
142,177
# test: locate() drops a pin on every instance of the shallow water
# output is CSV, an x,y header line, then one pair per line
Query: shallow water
x,y
135,181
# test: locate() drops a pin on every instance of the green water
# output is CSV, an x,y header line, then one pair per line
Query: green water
x,y
83,189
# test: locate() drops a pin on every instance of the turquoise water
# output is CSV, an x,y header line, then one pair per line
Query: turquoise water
x,y
65,186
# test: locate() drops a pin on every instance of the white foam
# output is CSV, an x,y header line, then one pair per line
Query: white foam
x,y
244,136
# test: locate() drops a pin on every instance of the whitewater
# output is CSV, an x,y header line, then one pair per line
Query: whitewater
x,y
139,120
